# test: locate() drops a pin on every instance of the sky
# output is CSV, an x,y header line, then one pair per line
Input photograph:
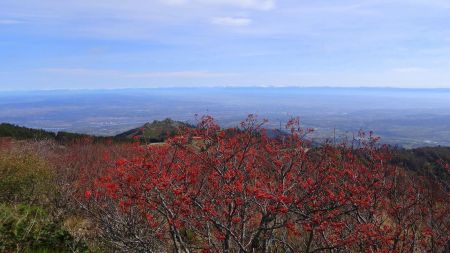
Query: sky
x,y
96,44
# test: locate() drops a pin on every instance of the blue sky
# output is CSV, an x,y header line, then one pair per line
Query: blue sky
x,y
79,44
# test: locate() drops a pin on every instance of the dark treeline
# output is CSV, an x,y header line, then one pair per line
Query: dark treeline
x,y
426,161
24,133
157,131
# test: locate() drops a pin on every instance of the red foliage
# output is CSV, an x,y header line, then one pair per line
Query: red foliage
x,y
239,190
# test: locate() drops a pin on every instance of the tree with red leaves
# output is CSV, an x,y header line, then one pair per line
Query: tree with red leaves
x,y
237,190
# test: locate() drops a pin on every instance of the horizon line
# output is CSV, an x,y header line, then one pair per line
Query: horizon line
x,y
225,87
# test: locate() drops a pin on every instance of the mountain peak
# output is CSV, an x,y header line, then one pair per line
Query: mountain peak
x,y
156,131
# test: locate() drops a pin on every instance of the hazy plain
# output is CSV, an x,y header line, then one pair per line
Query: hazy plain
x,y
406,117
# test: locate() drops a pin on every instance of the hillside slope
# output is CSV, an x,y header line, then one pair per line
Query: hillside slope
x,y
21,133
24,133
157,131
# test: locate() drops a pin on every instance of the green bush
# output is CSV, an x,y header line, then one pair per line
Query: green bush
x,y
24,178
25,228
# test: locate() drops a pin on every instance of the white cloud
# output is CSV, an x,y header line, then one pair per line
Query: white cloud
x,y
231,21
127,74
80,71
248,4
174,2
435,3
9,22
410,70
251,4
180,74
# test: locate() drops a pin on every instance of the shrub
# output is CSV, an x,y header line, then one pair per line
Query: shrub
x,y
25,228
24,177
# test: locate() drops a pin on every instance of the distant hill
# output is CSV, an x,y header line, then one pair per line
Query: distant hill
x,y
25,133
157,131
21,133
